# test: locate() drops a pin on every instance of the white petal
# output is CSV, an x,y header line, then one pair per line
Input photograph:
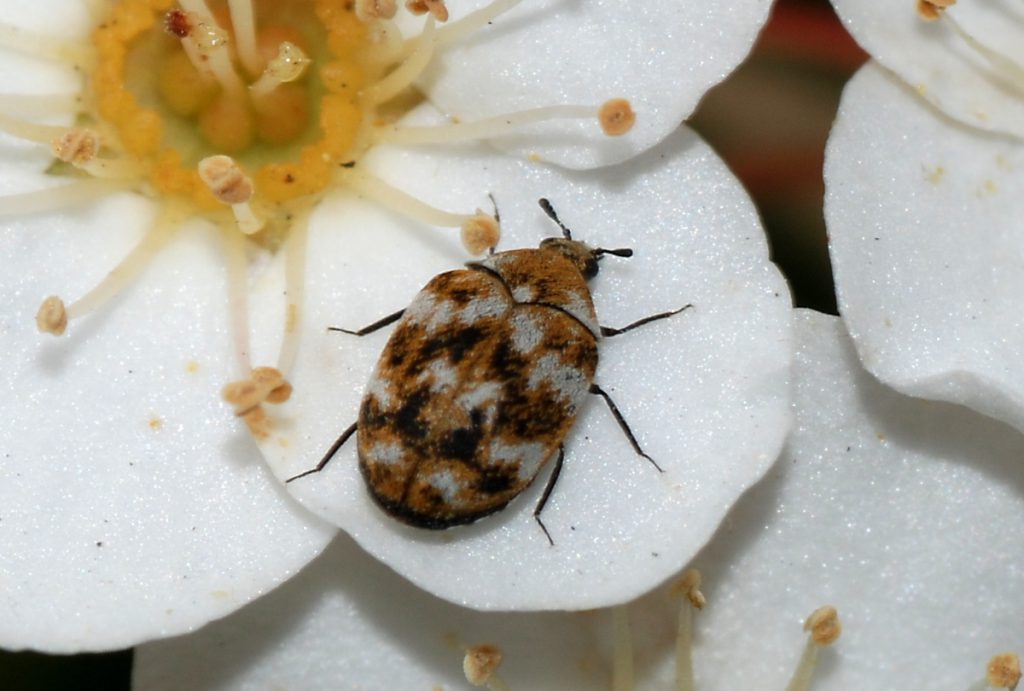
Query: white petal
x,y
924,226
347,621
933,59
904,514
133,505
705,392
662,56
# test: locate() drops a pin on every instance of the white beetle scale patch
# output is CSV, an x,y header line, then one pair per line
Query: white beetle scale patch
x,y
480,383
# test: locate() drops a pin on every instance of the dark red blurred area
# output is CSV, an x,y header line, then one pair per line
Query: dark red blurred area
x,y
770,121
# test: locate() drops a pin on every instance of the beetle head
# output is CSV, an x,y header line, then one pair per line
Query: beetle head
x,y
583,256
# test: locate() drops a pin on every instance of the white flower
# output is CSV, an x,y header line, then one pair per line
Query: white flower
x,y
132,506
903,514
923,205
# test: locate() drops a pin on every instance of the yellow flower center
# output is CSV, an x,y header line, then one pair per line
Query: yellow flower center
x,y
177,87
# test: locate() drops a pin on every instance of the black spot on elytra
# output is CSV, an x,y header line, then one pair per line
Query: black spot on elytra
x,y
462,444
496,482
406,418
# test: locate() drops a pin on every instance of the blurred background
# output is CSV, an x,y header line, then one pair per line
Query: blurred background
x,y
769,121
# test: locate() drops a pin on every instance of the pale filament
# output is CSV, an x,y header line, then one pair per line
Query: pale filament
x,y
459,29
43,46
396,200
238,295
480,129
290,64
243,21
54,198
41,104
403,76
294,276
129,268
30,131
1004,66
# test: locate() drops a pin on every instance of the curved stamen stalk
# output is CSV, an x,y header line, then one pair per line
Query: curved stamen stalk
x,y
30,131
243,21
406,73
396,200
290,64
460,29
823,629
43,46
486,128
41,104
55,198
295,283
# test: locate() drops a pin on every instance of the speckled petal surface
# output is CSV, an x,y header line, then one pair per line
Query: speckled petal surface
x,y
132,504
706,392
904,514
924,227
662,56
940,64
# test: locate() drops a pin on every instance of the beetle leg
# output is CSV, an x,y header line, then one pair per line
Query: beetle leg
x,y
547,493
609,331
379,324
595,389
329,455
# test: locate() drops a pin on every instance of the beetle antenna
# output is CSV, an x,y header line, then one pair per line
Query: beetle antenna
x,y
550,211
623,252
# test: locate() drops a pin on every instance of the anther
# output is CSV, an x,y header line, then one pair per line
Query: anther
x,y
616,117
77,146
231,186
178,23
824,629
480,233
264,385
930,10
436,8
823,625
480,664
368,10
52,317
290,64
1003,671
689,587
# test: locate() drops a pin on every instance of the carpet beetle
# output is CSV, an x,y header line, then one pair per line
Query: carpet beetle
x,y
480,382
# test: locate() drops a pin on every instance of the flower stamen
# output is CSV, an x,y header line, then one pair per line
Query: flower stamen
x,y
264,385
243,22
52,316
466,26
1003,672
42,104
480,666
823,629
289,64
400,202
618,118
42,45
403,76
693,598
233,187
30,131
